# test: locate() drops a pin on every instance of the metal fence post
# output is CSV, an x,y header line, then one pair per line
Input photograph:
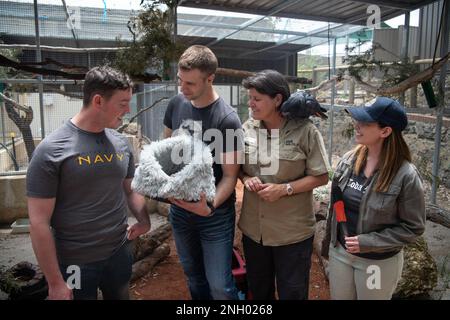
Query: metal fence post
x,y
39,59
333,93
441,102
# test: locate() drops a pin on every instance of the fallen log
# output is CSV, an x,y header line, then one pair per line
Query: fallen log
x,y
145,244
438,215
144,266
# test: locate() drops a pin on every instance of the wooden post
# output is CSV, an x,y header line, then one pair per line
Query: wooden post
x,y
413,90
351,92
314,78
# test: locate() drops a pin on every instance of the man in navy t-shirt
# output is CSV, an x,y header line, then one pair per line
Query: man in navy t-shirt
x,y
79,189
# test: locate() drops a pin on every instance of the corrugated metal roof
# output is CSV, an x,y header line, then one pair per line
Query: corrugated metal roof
x,y
340,11
97,31
17,19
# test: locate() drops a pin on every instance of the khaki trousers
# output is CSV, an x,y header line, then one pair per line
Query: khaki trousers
x,y
352,277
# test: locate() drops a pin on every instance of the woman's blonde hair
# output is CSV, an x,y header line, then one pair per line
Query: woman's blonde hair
x,y
393,153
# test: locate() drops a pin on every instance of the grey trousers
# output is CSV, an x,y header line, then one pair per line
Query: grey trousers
x,y
352,277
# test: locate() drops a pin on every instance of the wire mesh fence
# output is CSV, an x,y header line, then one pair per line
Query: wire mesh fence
x,y
152,120
24,122
25,119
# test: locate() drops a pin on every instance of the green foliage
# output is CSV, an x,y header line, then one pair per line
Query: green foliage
x,y
392,74
153,47
11,54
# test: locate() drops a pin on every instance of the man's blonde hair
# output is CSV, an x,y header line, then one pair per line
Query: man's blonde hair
x,y
198,57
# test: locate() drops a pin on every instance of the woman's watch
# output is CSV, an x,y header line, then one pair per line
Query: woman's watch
x,y
289,189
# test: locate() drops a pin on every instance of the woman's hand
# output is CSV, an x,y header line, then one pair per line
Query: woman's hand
x,y
253,184
352,244
272,192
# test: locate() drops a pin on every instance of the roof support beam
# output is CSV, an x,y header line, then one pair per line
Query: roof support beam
x,y
69,21
310,34
264,13
384,3
236,27
279,43
275,10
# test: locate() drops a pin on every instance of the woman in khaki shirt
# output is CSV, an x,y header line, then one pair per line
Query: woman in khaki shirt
x,y
285,160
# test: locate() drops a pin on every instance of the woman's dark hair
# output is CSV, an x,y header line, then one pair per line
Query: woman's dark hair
x,y
268,82
104,80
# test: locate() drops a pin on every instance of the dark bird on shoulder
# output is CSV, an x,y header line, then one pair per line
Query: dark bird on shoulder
x,y
302,105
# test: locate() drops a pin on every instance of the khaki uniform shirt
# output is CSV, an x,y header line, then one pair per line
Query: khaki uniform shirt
x,y
299,151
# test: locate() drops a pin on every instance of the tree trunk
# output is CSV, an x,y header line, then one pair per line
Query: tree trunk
x,y
145,244
23,123
144,266
29,141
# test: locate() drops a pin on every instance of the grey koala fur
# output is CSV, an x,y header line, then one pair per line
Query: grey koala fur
x,y
178,167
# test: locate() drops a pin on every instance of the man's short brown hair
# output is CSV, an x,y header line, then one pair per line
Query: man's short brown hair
x,y
198,57
105,81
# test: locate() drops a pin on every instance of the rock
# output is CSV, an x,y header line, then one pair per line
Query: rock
x,y
318,242
163,208
419,274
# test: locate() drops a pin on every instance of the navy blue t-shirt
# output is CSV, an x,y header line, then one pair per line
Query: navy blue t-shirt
x,y
84,171
218,117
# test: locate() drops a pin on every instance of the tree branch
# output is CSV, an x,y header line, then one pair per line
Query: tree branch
x,y
245,74
324,84
438,215
124,126
25,109
5,62
416,79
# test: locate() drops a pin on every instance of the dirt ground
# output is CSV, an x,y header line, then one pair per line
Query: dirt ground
x,y
167,281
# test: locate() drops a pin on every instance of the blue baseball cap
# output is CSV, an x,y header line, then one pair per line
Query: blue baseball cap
x,y
385,111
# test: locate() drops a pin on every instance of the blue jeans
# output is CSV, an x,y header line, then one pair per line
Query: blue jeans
x,y
205,246
112,276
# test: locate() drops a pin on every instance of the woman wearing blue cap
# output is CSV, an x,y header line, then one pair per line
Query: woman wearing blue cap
x,y
377,206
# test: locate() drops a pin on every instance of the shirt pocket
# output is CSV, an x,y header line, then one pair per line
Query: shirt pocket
x,y
385,203
291,154
292,162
